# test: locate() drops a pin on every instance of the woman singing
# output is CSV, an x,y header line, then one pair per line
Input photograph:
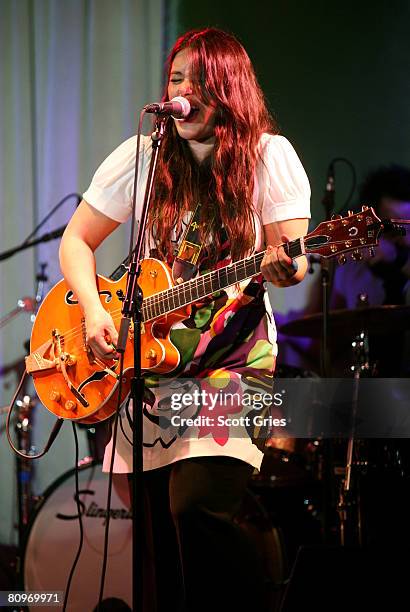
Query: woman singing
x,y
226,164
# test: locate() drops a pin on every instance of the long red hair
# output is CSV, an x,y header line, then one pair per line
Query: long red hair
x,y
224,74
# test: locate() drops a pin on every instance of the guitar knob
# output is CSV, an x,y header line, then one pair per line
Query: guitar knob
x,y
371,252
341,260
151,354
365,207
71,360
55,396
70,405
357,255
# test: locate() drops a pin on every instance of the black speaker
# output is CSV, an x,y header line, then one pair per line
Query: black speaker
x,y
332,579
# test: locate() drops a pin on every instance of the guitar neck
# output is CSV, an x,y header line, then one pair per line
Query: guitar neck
x,y
160,304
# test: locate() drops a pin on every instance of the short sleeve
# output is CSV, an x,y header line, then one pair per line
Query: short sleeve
x,y
282,186
111,188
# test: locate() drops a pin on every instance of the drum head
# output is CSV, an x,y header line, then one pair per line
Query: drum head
x,y
54,535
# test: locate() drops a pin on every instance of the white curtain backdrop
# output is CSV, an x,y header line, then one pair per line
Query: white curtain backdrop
x,y
73,76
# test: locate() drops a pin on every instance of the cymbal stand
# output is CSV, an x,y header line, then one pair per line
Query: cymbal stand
x,y
349,533
346,502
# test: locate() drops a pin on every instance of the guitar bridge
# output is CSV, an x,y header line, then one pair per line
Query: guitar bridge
x,y
36,362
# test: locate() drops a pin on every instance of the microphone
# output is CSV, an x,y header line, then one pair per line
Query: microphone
x,y
328,199
178,107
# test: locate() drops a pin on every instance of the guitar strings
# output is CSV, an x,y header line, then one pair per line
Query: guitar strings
x,y
159,304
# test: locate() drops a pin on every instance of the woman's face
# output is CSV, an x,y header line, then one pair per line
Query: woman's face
x,y
199,125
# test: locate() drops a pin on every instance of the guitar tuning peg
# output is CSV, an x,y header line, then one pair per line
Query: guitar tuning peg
x,y
371,251
349,213
364,207
357,255
334,217
341,260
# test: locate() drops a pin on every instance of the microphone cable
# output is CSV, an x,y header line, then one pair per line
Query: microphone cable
x,y
110,479
80,520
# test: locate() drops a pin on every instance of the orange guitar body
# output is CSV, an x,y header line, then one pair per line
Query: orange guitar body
x,y
68,379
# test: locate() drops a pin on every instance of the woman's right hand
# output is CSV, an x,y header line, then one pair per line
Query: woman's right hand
x,y
102,336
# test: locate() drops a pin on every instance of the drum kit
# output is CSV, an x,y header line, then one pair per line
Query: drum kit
x,y
338,492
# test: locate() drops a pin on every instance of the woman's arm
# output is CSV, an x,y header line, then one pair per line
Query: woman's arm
x,y
276,266
86,230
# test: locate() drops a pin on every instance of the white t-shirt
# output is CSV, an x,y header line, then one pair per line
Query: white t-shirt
x,y
281,192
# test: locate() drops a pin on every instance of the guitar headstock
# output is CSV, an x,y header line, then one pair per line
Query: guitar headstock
x,y
341,235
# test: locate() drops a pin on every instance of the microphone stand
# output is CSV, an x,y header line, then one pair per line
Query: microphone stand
x,y
328,202
132,310
328,476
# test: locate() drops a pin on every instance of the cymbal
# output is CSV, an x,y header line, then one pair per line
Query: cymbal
x,y
373,319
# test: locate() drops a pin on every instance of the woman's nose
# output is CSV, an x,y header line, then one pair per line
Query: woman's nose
x,y
185,88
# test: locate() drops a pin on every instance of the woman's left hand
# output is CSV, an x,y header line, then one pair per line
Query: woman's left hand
x,y
277,267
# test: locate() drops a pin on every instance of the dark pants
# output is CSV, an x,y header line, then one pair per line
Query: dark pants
x,y
197,557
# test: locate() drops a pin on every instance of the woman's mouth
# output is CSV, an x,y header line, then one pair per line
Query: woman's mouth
x,y
192,113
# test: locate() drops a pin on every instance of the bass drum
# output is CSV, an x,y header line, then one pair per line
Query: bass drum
x,y
54,535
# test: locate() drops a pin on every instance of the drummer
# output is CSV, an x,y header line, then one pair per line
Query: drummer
x,y
384,278
374,281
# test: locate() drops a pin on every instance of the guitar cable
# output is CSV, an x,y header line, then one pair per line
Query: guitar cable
x,y
129,419
57,426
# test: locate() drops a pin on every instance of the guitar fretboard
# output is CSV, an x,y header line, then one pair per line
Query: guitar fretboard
x,y
160,304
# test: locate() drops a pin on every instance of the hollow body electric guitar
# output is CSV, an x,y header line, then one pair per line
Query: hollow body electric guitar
x,y
74,384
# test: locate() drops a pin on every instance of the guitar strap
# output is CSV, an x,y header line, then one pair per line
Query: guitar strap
x,y
186,260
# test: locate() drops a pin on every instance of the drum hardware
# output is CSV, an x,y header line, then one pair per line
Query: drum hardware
x,y
349,495
24,304
24,467
23,420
